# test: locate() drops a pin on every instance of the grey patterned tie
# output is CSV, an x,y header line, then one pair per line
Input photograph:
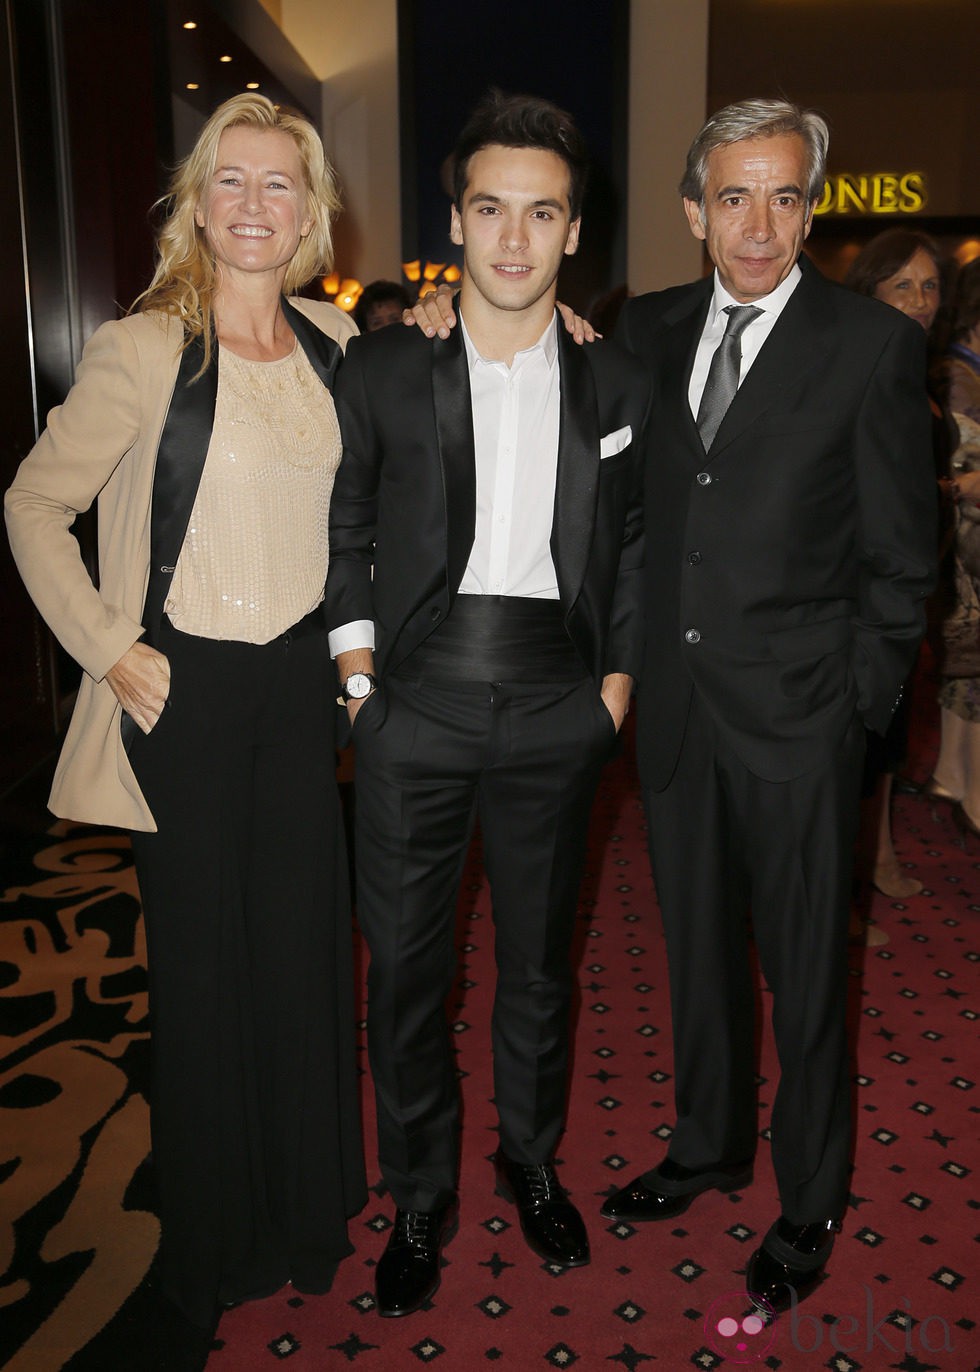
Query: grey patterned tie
x,y
722,380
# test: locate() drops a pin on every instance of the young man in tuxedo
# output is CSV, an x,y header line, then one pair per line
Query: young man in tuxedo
x,y
790,543
484,602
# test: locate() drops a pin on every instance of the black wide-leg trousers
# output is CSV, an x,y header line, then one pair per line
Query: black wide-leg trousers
x,y
429,759
254,1117
724,841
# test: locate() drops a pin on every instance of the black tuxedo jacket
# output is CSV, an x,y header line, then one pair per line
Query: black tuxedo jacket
x,y
787,568
403,510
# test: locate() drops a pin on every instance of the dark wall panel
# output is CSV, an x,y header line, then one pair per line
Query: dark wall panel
x,y
897,81
25,687
80,141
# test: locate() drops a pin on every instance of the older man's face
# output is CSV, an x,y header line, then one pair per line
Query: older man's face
x,y
756,214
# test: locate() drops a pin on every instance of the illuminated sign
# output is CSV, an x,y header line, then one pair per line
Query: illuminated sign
x,y
873,193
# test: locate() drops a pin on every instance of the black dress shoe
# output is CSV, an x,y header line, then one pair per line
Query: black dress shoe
x,y
552,1226
790,1262
669,1189
407,1274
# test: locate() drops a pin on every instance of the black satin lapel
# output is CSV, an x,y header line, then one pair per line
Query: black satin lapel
x,y
177,475
454,428
323,352
577,481
677,363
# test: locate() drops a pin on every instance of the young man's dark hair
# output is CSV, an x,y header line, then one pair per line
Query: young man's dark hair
x,y
522,121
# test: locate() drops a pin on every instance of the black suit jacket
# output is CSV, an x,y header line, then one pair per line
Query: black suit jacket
x,y
787,568
403,511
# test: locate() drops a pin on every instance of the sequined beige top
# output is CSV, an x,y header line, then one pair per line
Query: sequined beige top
x,y
254,559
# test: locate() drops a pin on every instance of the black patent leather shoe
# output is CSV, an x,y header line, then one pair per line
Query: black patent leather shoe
x,y
408,1271
669,1189
552,1226
790,1263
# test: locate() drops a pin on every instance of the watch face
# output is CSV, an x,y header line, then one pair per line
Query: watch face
x,y
359,686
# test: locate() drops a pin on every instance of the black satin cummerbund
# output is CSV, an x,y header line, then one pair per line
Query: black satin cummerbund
x,y
498,638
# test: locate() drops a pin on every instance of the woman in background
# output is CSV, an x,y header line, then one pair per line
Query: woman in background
x,y
204,426
900,267
956,775
963,360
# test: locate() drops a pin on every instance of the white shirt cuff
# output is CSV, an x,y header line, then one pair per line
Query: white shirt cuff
x,y
359,633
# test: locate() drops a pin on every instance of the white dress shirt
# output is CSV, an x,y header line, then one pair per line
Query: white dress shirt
x,y
516,417
515,438
753,336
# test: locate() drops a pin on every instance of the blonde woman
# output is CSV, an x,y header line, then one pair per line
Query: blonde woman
x,y
203,425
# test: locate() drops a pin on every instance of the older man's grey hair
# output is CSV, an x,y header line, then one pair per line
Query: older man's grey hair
x,y
757,119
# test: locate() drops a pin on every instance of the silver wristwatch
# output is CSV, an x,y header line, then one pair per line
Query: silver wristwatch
x,y
357,686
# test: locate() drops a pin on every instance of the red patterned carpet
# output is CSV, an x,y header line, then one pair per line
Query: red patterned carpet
x,y
75,1235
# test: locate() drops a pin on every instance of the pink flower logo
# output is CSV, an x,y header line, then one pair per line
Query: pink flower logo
x,y
738,1331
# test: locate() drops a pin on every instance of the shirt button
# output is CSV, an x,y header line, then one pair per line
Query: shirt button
x,y
704,478
694,558
693,635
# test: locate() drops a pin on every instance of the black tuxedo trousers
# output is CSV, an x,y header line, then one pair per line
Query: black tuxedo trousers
x,y
430,759
724,842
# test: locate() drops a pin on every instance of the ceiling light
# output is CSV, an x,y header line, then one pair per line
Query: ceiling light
x,y
193,86
190,24
226,58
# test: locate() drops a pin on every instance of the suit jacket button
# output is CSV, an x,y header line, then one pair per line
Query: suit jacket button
x,y
704,478
435,612
693,635
694,558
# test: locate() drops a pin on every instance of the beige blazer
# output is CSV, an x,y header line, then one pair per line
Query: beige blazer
x,y
101,444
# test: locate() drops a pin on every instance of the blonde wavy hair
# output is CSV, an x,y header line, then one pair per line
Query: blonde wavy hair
x,y
185,279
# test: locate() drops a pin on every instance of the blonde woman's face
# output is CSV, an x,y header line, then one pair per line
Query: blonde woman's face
x,y
254,212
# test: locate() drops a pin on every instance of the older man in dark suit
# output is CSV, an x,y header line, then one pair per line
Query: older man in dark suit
x,y
790,539
485,600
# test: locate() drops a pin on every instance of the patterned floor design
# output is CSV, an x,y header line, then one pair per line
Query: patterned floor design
x,y
76,1234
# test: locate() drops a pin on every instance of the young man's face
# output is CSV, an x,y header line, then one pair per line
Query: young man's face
x,y
514,225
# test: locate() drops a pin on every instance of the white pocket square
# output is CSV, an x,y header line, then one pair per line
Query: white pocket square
x,y
615,442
